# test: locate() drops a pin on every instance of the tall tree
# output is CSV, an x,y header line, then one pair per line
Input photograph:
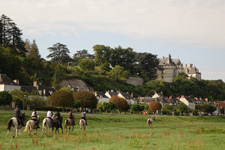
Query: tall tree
x,y
147,64
10,35
81,55
59,53
123,57
34,52
102,54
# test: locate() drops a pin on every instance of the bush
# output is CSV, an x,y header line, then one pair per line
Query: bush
x,y
38,102
5,98
153,106
119,102
62,98
87,99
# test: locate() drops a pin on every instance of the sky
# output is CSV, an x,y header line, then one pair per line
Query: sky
x,y
191,30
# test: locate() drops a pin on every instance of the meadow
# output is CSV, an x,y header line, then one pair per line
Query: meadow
x,y
124,132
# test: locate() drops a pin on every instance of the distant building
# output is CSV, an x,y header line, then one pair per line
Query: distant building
x,y
170,68
7,84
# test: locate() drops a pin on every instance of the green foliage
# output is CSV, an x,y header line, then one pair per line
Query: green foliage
x,y
182,108
38,102
147,64
82,54
10,36
18,93
102,54
135,107
77,104
18,101
116,72
62,98
123,57
87,99
67,89
207,108
87,64
60,73
59,53
5,98
167,109
106,106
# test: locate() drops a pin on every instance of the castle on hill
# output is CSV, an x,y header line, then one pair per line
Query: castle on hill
x,y
170,68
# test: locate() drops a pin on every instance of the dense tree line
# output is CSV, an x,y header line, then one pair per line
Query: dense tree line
x,y
107,69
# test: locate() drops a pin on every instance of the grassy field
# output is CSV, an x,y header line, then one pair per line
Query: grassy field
x,y
123,132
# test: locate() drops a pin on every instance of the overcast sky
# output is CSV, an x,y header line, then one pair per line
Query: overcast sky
x,y
191,30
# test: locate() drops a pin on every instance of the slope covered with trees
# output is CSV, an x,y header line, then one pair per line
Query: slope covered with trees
x,y
107,69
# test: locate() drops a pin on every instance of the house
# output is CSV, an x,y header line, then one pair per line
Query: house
x,y
101,97
173,101
188,101
146,100
126,96
7,84
111,93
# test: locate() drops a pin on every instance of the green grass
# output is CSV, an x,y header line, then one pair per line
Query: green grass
x,y
124,132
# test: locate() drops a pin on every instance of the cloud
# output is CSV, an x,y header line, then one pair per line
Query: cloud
x,y
195,22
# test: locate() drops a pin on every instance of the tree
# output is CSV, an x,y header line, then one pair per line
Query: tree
x,y
167,109
102,54
112,106
87,64
10,63
119,102
59,53
87,99
182,108
116,72
34,52
18,93
5,98
62,98
147,64
135,107
58,76
82,54
123,57
10,36
153,106
208,108
106,106
77,104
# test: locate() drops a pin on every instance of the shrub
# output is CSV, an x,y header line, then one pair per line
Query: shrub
x,y
62,98
153,106
119,102
5,98
87,99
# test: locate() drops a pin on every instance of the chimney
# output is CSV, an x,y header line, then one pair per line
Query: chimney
x,y
16,81
96,94
206,99
182,96
162,92
185,65
170,97
163,57
118,91
132,95
191,65
112,90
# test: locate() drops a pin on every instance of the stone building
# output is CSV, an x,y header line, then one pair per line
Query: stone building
x,y
170,68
